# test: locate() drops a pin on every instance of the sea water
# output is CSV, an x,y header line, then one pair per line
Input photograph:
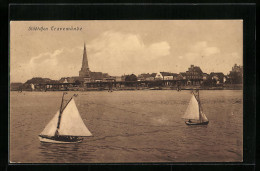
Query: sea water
x,y
130,126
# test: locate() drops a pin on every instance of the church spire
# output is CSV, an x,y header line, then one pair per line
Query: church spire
x,y
85,59
84,72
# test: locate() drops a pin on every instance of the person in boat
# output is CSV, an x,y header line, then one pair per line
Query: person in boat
x,y
189,121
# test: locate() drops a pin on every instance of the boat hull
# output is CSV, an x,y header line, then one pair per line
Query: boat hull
x,y
52,140
195,123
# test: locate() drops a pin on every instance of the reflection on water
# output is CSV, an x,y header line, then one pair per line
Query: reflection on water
x,y
65,152
130,126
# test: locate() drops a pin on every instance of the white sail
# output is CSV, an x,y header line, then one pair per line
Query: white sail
x,y
51,127
192,111
203,117
71,123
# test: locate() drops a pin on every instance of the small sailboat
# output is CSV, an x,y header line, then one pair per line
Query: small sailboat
x,y
66,126
194,112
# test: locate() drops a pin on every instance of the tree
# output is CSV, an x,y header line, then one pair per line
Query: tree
x,y
235,77
131,77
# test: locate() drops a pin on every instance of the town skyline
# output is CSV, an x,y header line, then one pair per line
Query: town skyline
x,y
116,49
137,75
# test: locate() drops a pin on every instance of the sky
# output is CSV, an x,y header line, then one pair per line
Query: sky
x,y
119,47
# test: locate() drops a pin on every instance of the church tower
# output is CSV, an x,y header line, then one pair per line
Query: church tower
x,y
84,72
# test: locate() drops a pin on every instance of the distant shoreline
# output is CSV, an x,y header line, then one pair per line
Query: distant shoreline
x,y
138,89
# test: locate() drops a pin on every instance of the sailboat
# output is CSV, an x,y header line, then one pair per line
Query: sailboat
x,y
66,126
194,112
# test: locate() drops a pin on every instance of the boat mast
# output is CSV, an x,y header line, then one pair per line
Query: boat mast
x,y
58,125
199,105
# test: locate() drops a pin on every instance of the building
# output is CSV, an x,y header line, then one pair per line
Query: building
x,y
176,76
205,76
146,77
96,77
71,80
165,76
182,76
118,79
194,75
158,76
143,76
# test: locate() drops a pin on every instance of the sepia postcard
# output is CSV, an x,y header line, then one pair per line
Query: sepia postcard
x,y
126,91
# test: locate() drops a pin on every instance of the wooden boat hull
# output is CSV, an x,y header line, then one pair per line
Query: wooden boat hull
x,y
194,123
52,140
